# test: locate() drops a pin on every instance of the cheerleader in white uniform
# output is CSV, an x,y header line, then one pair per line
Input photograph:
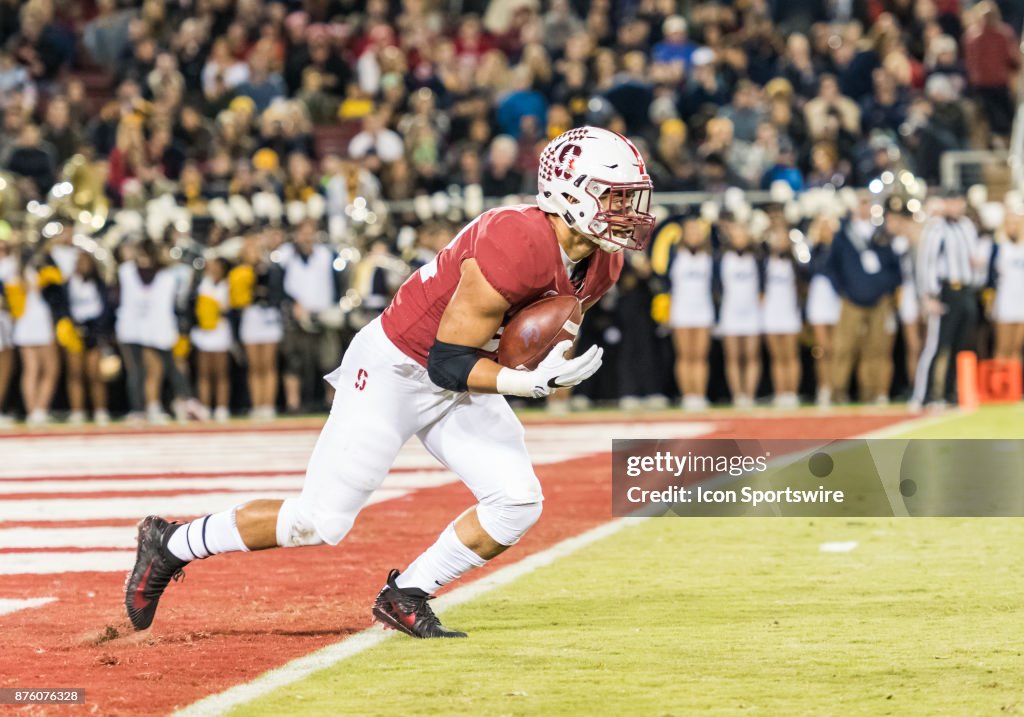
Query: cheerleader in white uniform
x,y
256,288
681,254
780,314
30,293
1008,271
8,268
147,329
212,339
89,307
823,305
738,276
908,306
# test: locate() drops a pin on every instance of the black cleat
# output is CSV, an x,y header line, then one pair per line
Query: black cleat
x,y
154,568
408,611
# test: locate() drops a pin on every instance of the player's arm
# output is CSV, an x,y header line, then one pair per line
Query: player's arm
x,y
470,321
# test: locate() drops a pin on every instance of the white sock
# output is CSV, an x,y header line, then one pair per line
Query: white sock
x,y
444,561
210,535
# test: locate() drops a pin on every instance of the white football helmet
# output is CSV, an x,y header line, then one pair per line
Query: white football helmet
x,y
578,168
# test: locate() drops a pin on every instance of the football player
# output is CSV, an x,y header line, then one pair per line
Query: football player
x,y
426,368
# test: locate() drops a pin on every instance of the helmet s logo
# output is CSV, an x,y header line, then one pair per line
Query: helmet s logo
x,y
566,162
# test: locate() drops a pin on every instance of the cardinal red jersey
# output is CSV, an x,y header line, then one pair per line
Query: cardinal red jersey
x,y
517,252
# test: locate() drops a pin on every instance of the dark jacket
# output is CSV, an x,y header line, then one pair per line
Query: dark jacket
x,y
845,266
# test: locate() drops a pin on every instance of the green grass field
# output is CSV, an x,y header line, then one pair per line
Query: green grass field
x,y
722,617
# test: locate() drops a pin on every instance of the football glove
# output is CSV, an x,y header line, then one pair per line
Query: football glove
x,y
553,373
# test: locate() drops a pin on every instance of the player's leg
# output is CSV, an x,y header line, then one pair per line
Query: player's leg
x,y
374,413
482,441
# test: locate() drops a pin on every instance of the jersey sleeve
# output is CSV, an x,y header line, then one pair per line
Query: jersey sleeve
x,y
514,256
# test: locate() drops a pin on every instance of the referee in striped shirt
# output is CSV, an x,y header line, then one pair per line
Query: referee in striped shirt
x,y
950,272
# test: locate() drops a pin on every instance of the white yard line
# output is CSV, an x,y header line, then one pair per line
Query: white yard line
x,y
303,667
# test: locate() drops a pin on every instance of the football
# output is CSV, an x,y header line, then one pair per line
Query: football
x,y
534,331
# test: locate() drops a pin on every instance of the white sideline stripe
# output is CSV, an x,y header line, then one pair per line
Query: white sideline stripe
x,y
912,424
9,605
285,481
122,508
90,561
326,657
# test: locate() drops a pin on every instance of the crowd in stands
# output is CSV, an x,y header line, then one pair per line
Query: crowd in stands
x,y
341,107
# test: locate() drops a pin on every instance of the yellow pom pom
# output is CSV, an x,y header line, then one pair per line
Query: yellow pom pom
x,y
988,297
661,307
68,336
15,295
49,275
181,347
240,283
207,312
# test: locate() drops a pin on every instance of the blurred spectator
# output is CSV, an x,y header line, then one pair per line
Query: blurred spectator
x,y
17,90
89,306
744,111
501,177
59,131
830,103
885,108
926,138
310,290
798,67
520,101
211,338
320,105
704,91
631,93
32,159
866,274
262,85
675,47
823,305
222,71
991,57
39,44
739,285
375,136
256,290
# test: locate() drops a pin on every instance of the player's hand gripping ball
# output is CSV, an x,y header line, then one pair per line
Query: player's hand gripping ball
x,y
536,329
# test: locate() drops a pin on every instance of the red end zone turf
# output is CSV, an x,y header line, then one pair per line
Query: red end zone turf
x,y
237,616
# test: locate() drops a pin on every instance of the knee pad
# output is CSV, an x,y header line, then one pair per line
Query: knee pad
x,y
295,526
506,523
